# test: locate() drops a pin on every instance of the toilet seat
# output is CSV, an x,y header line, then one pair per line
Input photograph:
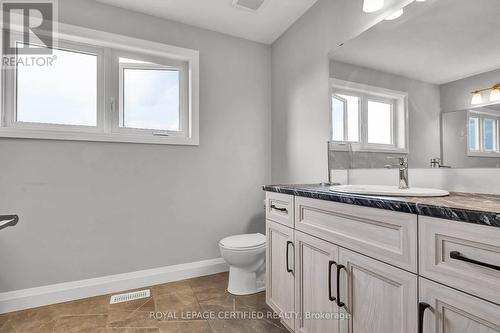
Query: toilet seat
x,y
243,242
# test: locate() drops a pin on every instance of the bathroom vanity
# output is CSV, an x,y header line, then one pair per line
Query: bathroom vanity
x,y
352,263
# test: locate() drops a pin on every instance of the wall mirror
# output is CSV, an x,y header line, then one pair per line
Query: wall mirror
x,y
424,83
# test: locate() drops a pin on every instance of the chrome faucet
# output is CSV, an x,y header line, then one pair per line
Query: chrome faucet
x,y
436,163
403,171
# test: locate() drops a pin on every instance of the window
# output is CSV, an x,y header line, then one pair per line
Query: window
x,y
345,115
368,118
380,123
483,138
152,96
474,134
150,99
127,90
47,95
490,135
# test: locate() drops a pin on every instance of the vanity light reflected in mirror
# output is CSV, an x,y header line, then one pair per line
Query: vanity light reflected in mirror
x,y
477,97
495,94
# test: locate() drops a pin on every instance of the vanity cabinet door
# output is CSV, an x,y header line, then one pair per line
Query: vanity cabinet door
x,y
446,310
315,285
280,271
379,298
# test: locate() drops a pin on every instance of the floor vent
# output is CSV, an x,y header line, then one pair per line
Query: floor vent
x,y
130,296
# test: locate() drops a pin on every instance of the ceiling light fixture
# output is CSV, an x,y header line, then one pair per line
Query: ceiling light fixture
x,y
477,97
421,0
395,15
370,6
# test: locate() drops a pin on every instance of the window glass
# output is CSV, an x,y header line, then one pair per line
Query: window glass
x,y
352,117
473,133
337,119
489,135
64,93
151,99
379,123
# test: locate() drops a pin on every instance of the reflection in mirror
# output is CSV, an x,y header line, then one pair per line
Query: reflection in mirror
x,y
471,137
424,85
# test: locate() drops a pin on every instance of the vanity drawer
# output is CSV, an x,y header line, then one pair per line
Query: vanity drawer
x,y
382,234
279,208
446,245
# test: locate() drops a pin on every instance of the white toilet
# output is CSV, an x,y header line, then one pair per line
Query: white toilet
x,y
246,256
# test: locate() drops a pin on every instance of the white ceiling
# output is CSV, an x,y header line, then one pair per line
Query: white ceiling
x,y
265,25
437,41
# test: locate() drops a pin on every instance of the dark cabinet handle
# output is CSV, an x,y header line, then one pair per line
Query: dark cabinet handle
x,y
330,265
288,243
421,312
284,210
8,221
339,302
457,256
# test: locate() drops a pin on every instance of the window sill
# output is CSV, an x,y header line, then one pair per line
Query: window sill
x,y
357,148
481,154
96,137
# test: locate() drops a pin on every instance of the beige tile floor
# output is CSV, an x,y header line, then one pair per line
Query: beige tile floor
x,y
177,307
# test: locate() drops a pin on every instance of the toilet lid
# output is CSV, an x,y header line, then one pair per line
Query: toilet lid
x,y
243,241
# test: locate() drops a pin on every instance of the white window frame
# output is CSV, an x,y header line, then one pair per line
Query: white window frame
x,y
482,115
152,64
9,105
109,47
399,117
336,93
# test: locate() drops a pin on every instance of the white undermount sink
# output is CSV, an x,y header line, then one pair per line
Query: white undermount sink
x,y
392,191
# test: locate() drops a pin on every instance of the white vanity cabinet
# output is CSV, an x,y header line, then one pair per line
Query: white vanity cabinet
x,y
352,269
461,255
445,310
315,284
337,289
280,284
380,298
382,234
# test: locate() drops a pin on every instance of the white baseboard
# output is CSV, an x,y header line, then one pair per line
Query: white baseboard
x,y
63,292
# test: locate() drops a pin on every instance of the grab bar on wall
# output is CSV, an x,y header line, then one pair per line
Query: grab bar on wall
x,y
8,221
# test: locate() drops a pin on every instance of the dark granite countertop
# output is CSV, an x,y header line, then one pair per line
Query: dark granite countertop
x,y
464,207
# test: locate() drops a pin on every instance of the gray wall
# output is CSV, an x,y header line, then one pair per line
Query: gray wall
x,y
423,110
94,209
300,71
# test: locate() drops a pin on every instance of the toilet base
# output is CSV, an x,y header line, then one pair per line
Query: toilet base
x,y
242,282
